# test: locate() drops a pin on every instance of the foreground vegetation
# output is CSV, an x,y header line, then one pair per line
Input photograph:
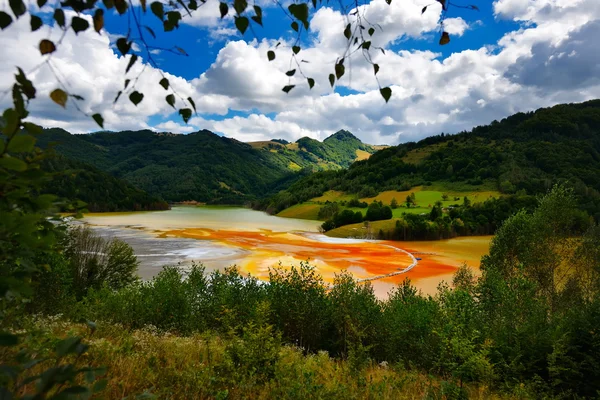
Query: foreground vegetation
x,y
201,366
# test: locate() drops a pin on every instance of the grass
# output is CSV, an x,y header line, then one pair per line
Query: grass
x,y
302,211
417,155
425,197
212,366
333,195
359,230
362,155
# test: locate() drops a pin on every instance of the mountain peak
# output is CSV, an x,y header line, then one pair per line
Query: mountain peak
x,y
342,135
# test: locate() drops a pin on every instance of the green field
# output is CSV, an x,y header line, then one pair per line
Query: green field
x,y
302,211
360,231
332,195
425,199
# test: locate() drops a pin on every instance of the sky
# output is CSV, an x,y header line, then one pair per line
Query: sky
x,y
510,56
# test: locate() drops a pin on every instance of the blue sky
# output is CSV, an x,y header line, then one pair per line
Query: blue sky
x,y
510,56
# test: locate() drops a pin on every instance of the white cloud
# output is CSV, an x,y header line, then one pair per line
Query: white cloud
x,y
431,94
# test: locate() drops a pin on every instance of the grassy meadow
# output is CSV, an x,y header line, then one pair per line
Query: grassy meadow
x,y
212,366
425,199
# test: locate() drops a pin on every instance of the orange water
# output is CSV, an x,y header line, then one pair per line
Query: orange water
x,y
363,259
261,241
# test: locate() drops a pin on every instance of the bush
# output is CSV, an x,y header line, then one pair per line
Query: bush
x,y
95,261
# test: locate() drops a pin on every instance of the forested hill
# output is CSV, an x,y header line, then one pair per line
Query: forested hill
x,y
525,152
102,192
202,166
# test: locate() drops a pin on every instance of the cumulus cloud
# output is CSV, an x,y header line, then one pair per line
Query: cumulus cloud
x,y
572,64
550,58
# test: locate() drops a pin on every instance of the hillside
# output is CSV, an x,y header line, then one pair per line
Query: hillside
x,y
335,152
102,192
203,166
525,153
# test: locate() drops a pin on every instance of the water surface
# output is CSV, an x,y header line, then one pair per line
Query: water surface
x,y
255,241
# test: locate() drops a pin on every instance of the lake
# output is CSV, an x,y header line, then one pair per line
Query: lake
x,y
255,241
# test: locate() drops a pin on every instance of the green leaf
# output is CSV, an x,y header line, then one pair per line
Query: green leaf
x,y
26,86
376,68
240,6
192,103
108,4
13,163
223,9
11,121
258,11
371,31
132,61
121,6
8,339
339,70
170,100
60,97
445,39
291,72
100,385
423,10
59,17
117,96
311,82
67,346
126,83
257,19
271,55
288,88
35,22
295,26
388,2
5,20
174,17
73,391
21,144
241,24
366,45
300,12
136,97
151,31
32,128
296,49
123,45
47,47
193,5
41,3
18,7
331,79
164,82
99,20
386,93
79,24
186,114
99,120
348,31
158,9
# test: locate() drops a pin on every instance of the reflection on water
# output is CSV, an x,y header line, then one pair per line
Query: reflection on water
x,y
255,242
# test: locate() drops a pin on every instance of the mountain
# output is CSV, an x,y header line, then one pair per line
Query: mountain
x,y
203,166
335,152
525,153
